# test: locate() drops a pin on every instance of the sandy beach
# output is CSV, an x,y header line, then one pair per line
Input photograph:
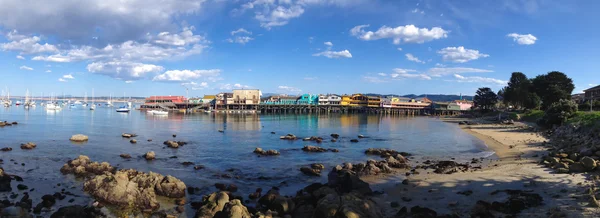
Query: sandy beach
x,y
518,148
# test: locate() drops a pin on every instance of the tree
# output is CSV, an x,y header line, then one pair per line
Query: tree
x,y
485,99
559,112
552,87
532,101
517,91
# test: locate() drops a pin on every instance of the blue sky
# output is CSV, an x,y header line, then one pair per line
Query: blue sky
x,y
162,47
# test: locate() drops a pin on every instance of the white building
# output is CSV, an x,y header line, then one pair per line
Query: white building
x,y
330,100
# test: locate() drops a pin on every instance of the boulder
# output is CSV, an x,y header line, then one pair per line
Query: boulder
x,y
128,135
345,180
171,144
126,156
260,151
317,166
347,205
234,209
82,166
5,181
588,163
171,187
150,155
383,152
28,146
76,211
576,168
354,140
335,135
6,149
133,141
310,148
311,172
289,137
211,204
79,138
449,167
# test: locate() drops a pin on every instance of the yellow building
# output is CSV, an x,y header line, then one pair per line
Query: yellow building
x,y
359,100
346,99
246,96
374,101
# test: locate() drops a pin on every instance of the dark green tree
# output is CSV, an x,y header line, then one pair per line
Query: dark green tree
x,y
532,101
485,99
552,87
517,91
559,112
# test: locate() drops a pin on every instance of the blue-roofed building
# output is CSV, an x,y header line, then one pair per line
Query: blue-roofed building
x,y
308,99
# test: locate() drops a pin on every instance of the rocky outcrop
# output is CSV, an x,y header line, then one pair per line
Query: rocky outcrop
x,y
310,148
289,137
28,146
569,163
150,155
211,204
314,139
82,166
79,138
133,189
383,152
372,167
128,135
77,211
174,144
125,156
4,181
262,152
6,149
449,167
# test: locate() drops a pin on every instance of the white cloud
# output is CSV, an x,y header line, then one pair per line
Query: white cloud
x,y
62,80
113,20
311,39
478,79
185,37
240,39
128,81
373,79
123,70
328,44
288,89
48,71
382,74
460,54
399,49
195,85
334,54
241,30
68,76
440,65
25,68
440,71
416,10
279,16
229,86
25,44
408,73
527,39
186,75
20,57
411,57
406,34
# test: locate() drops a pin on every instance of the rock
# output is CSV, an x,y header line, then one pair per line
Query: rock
x,y
256,194
187,163
14,123
560,165
310,171
232,188
150,155
76,211
234,209
220,186
289,137
562,155
82,166
317,166
310,148
562,170
574,156
4,181
22,187
260,151
28,146
171,144
398,162
198,167
417,211
383,152
134,189
588,163
48,201
345,181
79,138
405,182
334,150
14,212
212,204
335,136
128,135
6,149
354,140
394,204
347,205
517,201
126,156
576,168
449,167
361,136
133,141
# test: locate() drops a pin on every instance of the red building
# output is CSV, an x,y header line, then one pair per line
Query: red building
x,y
168,101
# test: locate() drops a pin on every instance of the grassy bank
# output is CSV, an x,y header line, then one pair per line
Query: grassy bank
x,y
584,118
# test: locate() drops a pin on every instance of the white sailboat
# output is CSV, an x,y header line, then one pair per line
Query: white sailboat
x,y
85,104
124,108
93,107
52,106
7,102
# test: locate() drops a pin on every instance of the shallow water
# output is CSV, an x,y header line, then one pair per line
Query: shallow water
x,y
218,152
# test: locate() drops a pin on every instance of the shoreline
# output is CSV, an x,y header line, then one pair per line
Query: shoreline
x,y
517,148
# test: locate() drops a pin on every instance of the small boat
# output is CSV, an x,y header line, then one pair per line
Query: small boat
x,y
93,107
160,113
18,103
123,109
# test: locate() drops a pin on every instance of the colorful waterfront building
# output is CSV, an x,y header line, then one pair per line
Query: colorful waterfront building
x,y
359,100
246,96
208,99
330,99
166,101
308,99
194,100
464,105
346,100
280,100
374,101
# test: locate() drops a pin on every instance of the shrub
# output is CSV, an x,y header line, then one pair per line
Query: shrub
x,y
586,118
559,112
533,116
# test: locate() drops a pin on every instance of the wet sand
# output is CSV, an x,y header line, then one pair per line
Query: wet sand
x,y
518,148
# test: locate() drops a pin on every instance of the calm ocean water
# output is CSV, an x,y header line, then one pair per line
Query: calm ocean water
x,y
218,152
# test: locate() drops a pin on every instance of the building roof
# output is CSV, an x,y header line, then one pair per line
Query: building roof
x,y
593,88
209,96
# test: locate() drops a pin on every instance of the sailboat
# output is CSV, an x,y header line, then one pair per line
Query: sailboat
x,y
85,104
28,102
51,105
93,107
124,108
7,102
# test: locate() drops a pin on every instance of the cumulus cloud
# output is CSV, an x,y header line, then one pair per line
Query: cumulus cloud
x,y
525,39
241,30
62,80
230,86
68,76
478,79
334,54
20,57
186,75
460,54
279,16
288,89
405,34
115,21
328,44
26,44
185,37
440,71
408,73
25,68
124,70
240,39
128,81
411,57
195,85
